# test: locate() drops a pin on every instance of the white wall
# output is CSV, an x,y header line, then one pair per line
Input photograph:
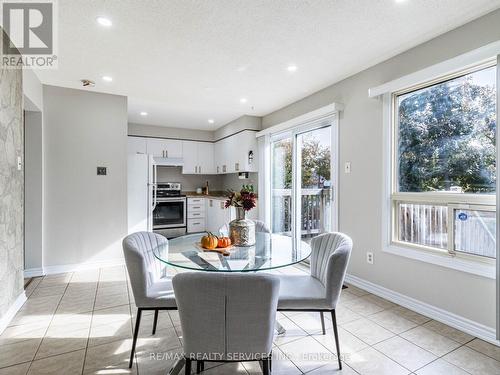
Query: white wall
x,y
33,232
166,132
32,91
360,193
241,123
85,215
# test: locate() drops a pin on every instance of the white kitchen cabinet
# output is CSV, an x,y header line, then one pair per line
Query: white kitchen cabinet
x,y
136,145
231,153
196,215
198,157
217,215
164,148
206,158
190,156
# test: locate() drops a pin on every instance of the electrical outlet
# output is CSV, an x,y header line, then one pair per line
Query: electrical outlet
x,y
369,257
347,167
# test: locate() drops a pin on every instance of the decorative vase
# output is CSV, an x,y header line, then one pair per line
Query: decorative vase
x,y
241,230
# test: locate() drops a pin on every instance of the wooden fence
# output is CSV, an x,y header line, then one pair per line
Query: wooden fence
x,y
474,231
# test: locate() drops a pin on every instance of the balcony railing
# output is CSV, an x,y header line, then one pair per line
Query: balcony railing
x,y
315,209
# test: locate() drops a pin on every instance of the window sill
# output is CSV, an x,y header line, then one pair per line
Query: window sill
x,y
479,268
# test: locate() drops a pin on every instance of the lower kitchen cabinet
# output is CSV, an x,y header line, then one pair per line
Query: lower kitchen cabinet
x,y
209,214
218,215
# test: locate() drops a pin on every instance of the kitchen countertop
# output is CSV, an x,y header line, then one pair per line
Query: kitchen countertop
x,y
213,195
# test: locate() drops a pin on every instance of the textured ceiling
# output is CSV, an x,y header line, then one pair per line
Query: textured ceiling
x,y
185,61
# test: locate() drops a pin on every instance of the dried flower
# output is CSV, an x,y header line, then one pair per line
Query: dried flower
x,y
245,199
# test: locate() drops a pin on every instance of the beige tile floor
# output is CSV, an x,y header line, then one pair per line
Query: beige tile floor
x,y
81,323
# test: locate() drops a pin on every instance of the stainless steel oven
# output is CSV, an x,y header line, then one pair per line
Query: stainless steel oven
x,y
169,214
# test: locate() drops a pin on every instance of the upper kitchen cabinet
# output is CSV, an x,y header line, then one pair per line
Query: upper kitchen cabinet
x,y
137,145
198,157
237,153
164,148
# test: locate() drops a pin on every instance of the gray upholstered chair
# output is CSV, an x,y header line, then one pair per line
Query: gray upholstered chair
x,y
319,291
227,316
260,226
151,291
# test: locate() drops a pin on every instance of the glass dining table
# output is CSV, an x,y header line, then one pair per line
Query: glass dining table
x,y
271,251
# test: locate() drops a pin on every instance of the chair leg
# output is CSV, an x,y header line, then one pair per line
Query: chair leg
x,y
155,321
187,367
323,322
266,364
136,333
335,331
200,366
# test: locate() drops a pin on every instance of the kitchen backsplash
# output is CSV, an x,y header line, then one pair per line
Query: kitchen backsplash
x,y
231,181
216,182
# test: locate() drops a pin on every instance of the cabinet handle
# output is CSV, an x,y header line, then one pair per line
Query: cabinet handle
x,y
199,169
236,166
223,169
211,203
196,207
196,223
166,153
222,205
217,169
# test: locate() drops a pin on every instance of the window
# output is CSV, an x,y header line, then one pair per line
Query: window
x,y
444,165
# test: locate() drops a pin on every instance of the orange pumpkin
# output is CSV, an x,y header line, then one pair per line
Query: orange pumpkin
x,y
209,241
223,242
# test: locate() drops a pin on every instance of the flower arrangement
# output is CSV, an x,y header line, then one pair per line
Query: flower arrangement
x,y
245,198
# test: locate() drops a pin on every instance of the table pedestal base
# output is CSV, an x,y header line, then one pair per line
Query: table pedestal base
x,y
177,367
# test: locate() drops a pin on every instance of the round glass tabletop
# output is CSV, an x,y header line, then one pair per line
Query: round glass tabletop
x,y
270,251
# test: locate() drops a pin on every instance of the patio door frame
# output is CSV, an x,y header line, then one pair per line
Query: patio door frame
x,y
331,120
497,205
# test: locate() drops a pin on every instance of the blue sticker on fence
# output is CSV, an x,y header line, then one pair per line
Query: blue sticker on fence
x,y
462,216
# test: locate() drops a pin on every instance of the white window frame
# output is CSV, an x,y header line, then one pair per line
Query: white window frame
x,y
443,257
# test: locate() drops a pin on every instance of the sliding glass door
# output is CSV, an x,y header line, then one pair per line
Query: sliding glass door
x,y
281,185
302,180
314,179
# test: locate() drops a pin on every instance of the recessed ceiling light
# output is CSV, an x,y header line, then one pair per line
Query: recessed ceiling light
x,y
243,100
400,1
292,68
107,78
103,21
144,113
211,121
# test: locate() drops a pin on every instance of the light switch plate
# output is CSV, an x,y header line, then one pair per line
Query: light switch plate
x,y
347,167
102,171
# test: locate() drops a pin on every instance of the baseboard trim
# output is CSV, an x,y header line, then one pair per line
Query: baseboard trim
x,y
63,268
12,311
33,272
456,321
